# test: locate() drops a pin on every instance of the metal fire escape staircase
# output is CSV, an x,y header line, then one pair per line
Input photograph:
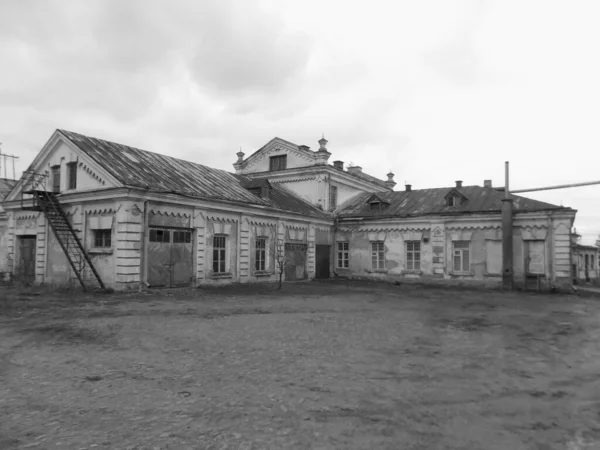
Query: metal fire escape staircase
x,y
35,197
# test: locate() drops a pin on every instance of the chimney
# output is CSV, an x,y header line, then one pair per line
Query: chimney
x,y
355,170
390,181
487,183
408,187
458,183
338,165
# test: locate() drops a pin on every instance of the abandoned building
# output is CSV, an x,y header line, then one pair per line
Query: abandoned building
x,y
104,214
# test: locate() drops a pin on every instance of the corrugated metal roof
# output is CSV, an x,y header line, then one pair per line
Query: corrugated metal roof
x,y
160,173
431,201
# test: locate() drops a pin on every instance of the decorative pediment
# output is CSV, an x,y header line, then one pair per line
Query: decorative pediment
x,y
275,147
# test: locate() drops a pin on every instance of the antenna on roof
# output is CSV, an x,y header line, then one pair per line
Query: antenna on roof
x,y
5,157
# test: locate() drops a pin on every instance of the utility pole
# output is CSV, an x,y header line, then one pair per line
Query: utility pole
x,y
3,159
507,234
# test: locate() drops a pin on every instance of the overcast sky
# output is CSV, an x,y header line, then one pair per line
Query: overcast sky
x,y
436,91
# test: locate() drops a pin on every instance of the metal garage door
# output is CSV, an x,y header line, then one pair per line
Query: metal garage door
x,y
170,253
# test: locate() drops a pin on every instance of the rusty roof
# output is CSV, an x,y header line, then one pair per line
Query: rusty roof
x,y
160,173
423,202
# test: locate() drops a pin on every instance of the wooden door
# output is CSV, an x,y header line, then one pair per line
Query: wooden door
x,y
295,257
322,255
182,258
26,264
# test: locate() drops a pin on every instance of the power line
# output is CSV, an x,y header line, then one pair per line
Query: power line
x,y
3,158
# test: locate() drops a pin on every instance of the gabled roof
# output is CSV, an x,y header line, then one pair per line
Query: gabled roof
x,y
454,192
423,202
376,199
160,173
5,186
281,198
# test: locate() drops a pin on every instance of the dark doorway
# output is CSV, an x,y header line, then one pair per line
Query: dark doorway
x,y
295,257
170,253
26,263
323,255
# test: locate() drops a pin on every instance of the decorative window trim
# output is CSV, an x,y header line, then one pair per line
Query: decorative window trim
x,y
412,248
223,257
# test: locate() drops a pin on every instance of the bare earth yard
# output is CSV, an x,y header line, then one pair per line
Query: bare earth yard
x,y
318,366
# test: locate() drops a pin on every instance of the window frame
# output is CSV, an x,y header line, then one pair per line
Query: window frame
x,y
72,175
333,195
102,236
260,254
463,246
55,170
342,255
159,235
219,258
277,162
378,255
410,250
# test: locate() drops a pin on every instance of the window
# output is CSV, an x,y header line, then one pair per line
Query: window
x,y
182,237
72,173
591,261
332,197
377,255
343,260
102,238
56,179
374,206
453,201
219,243
278,162
460,252
157,235
587,261
413,255
261,254
255,191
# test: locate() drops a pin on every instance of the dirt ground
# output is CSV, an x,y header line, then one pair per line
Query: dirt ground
x,y
319,366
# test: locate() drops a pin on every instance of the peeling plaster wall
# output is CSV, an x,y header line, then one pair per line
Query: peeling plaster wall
x,y
436,238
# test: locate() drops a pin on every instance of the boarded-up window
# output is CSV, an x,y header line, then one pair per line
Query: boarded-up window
x,y
493,257
56,179
413,255
536,257
157,235
278,162
332,197
461,256
377,255
72,172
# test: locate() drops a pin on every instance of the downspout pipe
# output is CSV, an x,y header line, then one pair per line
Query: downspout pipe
x,y
507,235
144,248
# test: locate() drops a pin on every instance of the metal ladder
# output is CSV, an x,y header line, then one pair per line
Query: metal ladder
x,y
67,238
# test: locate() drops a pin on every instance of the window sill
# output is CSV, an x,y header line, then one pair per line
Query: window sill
x,y
343,269
492,275
262,273
100,251
412,272
462,274
377,271
222,275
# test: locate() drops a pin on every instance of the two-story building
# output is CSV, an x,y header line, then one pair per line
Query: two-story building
x,y
103,213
